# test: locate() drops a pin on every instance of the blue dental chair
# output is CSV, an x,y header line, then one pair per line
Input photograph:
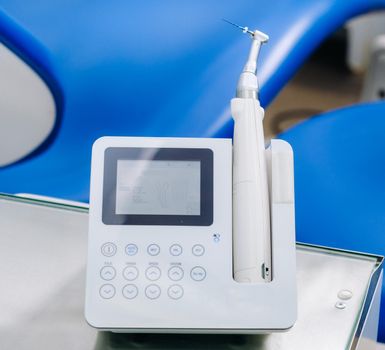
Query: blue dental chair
x,y
157,68
170,69
340,180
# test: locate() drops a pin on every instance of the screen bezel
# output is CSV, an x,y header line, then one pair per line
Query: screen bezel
x,y
113,154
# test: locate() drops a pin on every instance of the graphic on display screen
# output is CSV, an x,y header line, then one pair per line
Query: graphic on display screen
x,y
158,187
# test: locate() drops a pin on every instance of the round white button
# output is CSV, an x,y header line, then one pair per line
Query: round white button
x,y
345,294
153,273
107,273
198,249
198,273
175,273
153,249
340,305
130,291
108,249
131,249
176,250
175,292
152,291
130,273
107,291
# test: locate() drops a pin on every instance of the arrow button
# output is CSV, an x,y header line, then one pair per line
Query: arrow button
x,y
130,291
107,291
130,273
153,273
152,291
107,273
175,273
175,291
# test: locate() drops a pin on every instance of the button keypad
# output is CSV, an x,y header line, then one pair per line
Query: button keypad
x,y
164,274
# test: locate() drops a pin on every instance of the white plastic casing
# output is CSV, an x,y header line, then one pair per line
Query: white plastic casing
x,y
217,303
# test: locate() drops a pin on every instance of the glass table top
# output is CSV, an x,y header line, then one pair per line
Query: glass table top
x,y
43,247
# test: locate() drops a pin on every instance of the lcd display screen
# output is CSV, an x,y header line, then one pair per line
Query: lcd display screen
x,y
158,187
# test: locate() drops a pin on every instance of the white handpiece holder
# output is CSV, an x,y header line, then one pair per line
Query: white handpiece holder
x,y
251,213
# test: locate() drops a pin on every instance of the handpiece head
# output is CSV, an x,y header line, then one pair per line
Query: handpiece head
x,y
248,83
262,37
258,35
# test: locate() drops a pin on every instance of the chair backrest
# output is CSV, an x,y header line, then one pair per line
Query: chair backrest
x,y
30,97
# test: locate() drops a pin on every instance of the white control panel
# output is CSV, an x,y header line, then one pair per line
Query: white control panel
x,y
160,231
160,246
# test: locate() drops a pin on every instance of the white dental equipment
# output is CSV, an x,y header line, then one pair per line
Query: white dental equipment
x,y
176,224
251,214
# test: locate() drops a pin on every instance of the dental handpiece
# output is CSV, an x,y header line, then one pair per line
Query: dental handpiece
x,y
251,207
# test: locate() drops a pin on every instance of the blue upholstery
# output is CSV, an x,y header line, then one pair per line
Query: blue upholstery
x,y
340,181
153,68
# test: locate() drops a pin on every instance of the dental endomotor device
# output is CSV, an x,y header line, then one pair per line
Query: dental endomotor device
x,y
194,235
